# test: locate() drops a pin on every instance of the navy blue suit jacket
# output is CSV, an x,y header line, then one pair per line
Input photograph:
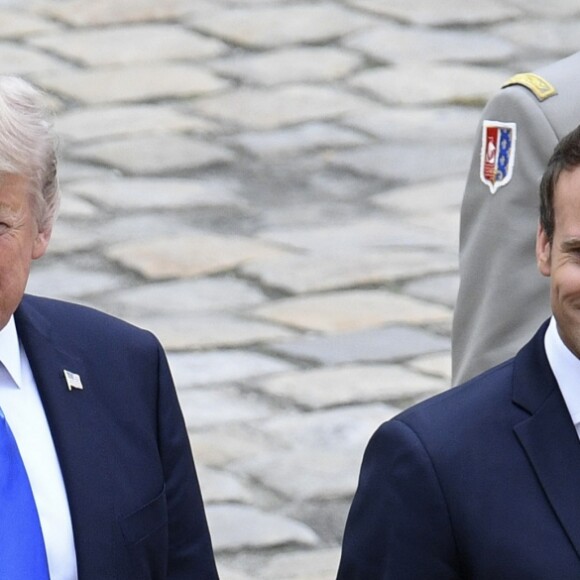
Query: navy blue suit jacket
x,y
480,482
122,444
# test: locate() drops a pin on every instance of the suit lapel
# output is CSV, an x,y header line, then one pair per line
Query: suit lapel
x,y
548,436
73,417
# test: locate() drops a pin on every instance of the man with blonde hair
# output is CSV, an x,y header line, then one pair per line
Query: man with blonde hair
x,y
97,479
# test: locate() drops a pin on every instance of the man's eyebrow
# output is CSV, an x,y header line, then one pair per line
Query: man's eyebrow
x,y
7,212
570,244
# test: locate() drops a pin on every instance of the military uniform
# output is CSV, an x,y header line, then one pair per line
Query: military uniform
x,y
502,296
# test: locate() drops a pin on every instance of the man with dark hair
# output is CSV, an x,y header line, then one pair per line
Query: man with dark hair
x,y
483,481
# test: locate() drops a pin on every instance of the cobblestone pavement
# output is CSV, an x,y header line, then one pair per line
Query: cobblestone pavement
x,y
273,188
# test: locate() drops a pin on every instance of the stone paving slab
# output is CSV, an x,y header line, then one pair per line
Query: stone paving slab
x,y
222,487
83,13
227,573
414,124
123,46
303,565
279,106
220,446
329,430
287,218
114,228
236,526
349,384
436,84
341,270
113,121
16,59
444,222
350,310
205,368
546,36
298,139
306,474
190,255
70,238
135,84
63,281
154,154
442,13
16,24
404,162
156,193
267,27
72,207
556,9
75,170
434,364
396,43
424,197
369,233
377,345
438,289
209,331
327,518
289,65
184,296
337,185
218,406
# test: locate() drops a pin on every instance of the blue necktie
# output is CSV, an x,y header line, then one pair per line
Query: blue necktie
x,y
22,551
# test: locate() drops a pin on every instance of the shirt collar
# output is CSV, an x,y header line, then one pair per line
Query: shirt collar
x,y
10,351
566,368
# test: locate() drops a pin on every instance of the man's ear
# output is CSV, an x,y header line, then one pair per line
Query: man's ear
x,y
41,243
543,251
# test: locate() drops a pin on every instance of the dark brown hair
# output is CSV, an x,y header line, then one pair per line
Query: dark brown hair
x,y
566,156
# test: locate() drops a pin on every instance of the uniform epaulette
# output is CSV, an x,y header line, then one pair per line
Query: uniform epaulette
x,y
539,86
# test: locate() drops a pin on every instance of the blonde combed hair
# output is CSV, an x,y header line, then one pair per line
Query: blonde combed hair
x,y
28,145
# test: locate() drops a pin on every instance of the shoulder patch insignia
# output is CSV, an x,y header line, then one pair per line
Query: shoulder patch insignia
x,y
498,151
541,88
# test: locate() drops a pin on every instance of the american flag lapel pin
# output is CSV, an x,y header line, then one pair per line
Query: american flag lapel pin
x,y
73,381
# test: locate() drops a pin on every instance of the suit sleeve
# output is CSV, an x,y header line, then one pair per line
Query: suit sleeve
x,y
398,527
190,553
502,297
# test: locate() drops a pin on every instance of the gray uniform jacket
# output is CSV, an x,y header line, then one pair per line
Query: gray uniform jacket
x,y
502,296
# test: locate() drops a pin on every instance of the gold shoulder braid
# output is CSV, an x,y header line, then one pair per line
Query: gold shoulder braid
x,y
541,88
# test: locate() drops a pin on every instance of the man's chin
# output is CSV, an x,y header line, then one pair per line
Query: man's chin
x,y
572,342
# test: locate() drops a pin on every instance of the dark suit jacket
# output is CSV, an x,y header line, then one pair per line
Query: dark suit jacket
x,y
480,482
134,498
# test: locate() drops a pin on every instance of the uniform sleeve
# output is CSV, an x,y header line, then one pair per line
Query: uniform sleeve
x,y
398,527
190,553
502,297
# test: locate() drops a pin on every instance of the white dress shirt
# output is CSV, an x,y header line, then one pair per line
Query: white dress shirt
x,y
566,368
21,404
